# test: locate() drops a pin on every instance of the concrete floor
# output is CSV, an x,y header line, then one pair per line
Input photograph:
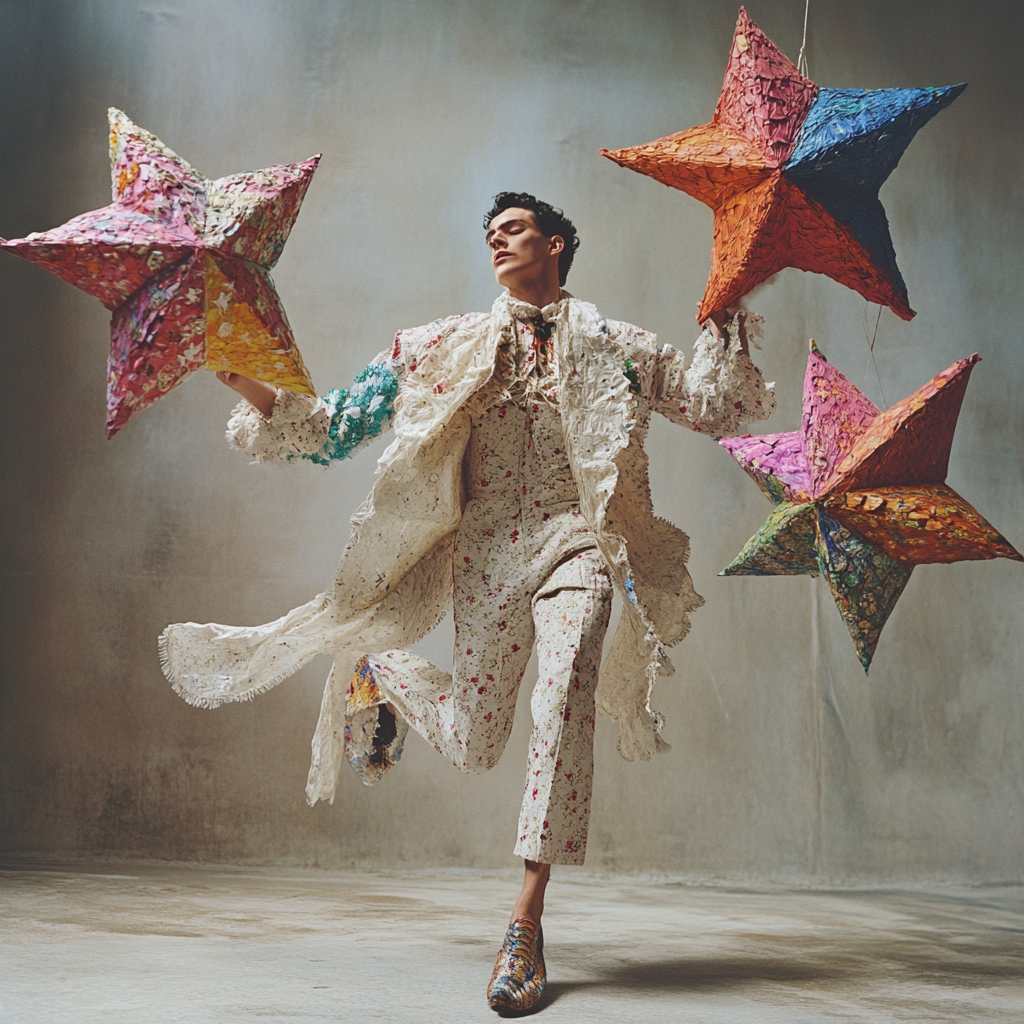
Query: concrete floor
x,y
153,944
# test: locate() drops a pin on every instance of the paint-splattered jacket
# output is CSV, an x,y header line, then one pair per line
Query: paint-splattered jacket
x,y
394,580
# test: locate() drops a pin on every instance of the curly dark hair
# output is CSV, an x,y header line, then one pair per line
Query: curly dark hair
x,y
550,220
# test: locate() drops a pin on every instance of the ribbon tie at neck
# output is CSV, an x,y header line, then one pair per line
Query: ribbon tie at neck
x,y
541,327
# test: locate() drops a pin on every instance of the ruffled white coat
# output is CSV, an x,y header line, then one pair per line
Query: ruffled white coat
x,y
394,581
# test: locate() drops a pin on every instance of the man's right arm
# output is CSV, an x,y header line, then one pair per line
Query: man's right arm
x,y
274,425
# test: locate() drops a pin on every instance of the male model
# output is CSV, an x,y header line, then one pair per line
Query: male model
x,y
515,493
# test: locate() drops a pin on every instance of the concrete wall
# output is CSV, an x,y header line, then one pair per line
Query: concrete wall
x,y
787,761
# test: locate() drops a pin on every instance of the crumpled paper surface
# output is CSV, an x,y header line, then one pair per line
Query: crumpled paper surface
x,y
184,264
793,172
860,495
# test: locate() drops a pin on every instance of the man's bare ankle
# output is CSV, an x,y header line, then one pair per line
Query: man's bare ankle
x,y
527,912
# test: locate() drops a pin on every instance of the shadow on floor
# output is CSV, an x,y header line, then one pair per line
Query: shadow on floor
x,y
695,974
690,974
906,961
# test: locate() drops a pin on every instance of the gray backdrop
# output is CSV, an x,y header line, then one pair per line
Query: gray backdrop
x,y
787,762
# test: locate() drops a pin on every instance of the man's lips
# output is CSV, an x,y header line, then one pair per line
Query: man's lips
x,y
501,256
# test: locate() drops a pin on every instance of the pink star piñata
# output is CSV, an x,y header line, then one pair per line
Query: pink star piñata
x,y
184,264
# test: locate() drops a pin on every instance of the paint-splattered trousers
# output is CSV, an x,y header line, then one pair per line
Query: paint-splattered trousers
x,y
526,570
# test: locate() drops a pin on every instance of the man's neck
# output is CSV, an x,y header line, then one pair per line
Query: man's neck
x,y
539,295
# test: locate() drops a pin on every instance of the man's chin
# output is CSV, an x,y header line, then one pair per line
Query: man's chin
x,y
505,276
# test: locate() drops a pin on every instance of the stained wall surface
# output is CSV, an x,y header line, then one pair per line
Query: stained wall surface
x,y
787,761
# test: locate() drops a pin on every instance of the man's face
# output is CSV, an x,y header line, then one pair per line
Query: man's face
x,y
519,249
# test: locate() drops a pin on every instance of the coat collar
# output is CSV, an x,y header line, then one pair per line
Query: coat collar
x,y
506,307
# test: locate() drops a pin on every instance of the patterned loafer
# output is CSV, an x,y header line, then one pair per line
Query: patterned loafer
x,y
519,975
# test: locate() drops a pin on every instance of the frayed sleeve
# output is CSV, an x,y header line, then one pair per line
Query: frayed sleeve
x,y
323,431
344,420
718,392
298,426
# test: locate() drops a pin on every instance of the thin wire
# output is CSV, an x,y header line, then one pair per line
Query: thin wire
x,y
801,61
871,356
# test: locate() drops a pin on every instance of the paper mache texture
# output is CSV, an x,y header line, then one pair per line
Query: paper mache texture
x,y
184,264
792,173
860,495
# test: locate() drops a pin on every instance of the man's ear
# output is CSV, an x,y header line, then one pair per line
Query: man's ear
x,y
556,243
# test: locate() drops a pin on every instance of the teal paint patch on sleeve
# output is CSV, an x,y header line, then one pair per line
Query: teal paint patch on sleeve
x,y
359,414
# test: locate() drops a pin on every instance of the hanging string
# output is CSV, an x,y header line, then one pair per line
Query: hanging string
x,y
801,61
871,356
801,66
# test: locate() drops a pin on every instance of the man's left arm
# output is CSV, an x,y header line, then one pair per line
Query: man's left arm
x,y
721,389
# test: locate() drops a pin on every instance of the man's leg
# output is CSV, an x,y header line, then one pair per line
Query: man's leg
x,y
530,903
466,714
571,616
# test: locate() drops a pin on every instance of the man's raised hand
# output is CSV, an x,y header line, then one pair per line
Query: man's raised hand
x,y
721,317
261,395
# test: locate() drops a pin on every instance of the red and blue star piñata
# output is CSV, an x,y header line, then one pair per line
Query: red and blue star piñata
x,y
792,173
